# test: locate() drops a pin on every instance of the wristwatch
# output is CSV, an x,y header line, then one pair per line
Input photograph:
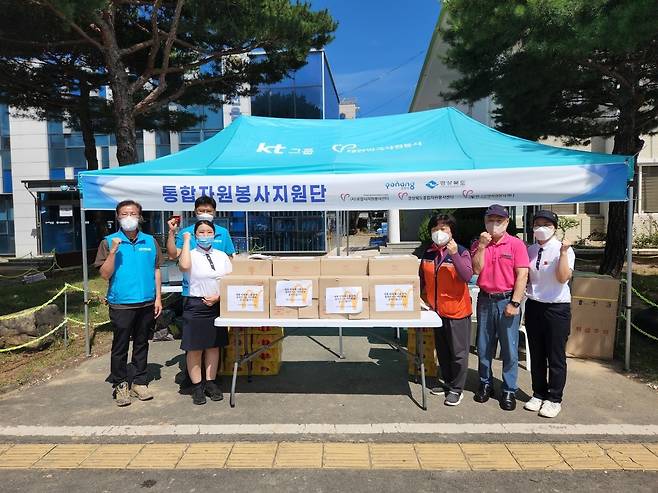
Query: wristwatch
x,y
515,304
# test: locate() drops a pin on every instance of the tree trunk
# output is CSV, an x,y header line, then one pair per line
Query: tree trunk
x,y
122,103
87,128
626,142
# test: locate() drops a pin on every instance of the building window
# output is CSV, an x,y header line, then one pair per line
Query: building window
x,y
162,144
649,188
212,122
7,243
5,149
591,208
561,209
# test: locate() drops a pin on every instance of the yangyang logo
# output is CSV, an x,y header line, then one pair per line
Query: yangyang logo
x,y
401,185
431,184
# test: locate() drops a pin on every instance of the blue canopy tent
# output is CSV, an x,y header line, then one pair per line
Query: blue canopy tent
x,y
432,159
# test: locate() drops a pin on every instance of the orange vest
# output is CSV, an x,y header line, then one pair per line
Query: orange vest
x,y
444,291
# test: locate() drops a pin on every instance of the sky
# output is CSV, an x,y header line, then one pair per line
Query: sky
x,y
373,38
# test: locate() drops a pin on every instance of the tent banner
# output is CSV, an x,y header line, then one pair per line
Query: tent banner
x,y
367,191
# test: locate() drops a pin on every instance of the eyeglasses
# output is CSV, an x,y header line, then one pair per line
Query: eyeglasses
x,y
212,266
538,258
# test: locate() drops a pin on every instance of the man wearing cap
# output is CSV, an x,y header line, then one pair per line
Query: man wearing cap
x,y
548,314
501,260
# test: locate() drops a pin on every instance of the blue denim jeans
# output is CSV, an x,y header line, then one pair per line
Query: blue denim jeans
x,y
494,326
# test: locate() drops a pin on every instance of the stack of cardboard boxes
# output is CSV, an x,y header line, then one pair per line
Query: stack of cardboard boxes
x,y
429,351
251,339
352,288
594,308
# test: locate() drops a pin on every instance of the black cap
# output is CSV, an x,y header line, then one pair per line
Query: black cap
x,y
496,210
550,215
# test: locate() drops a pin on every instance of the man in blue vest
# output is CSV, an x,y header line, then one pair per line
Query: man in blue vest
x,y
204,208
130,260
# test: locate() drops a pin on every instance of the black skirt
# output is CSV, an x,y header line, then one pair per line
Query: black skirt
x,y
199,331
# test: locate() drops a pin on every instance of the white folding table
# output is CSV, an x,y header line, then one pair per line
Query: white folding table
x,y
428,319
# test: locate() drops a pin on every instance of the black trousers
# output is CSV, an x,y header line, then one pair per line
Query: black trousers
x,y
453,341
135,323
548,326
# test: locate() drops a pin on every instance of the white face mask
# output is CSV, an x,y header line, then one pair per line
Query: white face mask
x,y
543,233
129,223
440,237
204,216
495,229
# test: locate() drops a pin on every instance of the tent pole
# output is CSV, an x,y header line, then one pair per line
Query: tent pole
x,y
338,233
347,233
629,277
85,279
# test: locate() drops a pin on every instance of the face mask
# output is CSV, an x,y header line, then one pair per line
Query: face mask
x,y
204,242
543,233
204,216
440,237
495,229
129,223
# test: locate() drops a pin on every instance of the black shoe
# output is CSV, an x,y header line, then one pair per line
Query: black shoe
x,y
198,396
213,391
484,392
508,401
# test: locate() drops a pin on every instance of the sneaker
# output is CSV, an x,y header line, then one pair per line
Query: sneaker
x,y
440,390
198,395
122,395
453,398
213,391
534,404
550,409
142,392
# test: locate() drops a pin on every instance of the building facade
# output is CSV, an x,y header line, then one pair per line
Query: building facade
x,y
40,204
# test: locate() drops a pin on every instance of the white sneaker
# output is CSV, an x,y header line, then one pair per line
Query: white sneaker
x,y
550,409
440,390
533,405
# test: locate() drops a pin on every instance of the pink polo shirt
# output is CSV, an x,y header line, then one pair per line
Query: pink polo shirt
x,y
500,260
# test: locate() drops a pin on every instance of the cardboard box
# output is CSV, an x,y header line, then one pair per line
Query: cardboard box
x,y
393,265
594,308
244,297
339,297
332,265
296,266
394,297
271,331
245,266
302,291
429,351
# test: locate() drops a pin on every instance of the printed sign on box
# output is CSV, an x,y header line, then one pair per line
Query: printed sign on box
x,y
246,298
394,298
294,293
344,300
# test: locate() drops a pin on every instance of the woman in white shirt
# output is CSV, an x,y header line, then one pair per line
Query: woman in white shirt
x,y
548,314
202,268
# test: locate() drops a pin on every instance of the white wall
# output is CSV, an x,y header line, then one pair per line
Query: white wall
x,y
29,161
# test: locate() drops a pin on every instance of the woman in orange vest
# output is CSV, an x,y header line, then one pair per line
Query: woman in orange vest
x,y
445,270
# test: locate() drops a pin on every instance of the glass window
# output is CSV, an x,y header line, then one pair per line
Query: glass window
x,y
7,245
592,208
560,209
331,101
308,102
649,188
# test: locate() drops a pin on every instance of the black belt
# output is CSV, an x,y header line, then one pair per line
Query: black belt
x,y
497,296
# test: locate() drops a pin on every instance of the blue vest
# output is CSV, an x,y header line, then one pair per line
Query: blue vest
x,y
133,280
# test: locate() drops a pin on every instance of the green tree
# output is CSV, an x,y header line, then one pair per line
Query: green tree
x,y
573,69
160,52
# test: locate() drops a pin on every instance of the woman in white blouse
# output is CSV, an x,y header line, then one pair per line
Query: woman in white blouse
x,y
548,314
202,268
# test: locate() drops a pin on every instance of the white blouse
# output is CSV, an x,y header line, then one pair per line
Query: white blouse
x,y
207,268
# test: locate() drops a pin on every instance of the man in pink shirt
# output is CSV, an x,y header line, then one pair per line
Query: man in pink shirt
x,y
501,260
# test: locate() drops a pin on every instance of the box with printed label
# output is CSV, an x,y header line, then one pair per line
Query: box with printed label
x,y
245,297
393,265
593,326
333,265
245,266
394,297
296,266
294,297
344,297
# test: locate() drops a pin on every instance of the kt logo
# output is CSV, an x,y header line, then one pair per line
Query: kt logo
x,y
275,149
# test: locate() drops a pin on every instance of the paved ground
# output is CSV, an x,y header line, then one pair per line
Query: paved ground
x,y
292,431
370,387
